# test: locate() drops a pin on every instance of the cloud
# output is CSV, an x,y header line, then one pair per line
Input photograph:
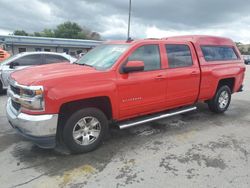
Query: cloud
x,y
5,32
227,18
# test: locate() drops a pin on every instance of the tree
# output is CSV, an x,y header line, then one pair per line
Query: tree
x,y
20,33
238,43
47,33
68,29
95,36
37,34
248,51
241,47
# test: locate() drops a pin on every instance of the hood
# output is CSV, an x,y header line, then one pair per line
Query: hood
x,y
41,74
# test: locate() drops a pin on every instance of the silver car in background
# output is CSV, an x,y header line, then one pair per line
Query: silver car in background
x,y
27,59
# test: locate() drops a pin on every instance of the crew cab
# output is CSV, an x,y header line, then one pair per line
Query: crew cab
x,y
125,83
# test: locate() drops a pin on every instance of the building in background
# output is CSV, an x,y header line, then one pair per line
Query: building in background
x,y
18,44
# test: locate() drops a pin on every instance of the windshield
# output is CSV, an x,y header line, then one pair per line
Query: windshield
x,y
103,56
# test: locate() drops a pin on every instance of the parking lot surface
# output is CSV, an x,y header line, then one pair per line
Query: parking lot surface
x,y
198,149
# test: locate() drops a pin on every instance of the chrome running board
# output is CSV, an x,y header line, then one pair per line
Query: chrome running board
x,y
149,118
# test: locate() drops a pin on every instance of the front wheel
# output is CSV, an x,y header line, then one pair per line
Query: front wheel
x,y
1,88
84,130
221,101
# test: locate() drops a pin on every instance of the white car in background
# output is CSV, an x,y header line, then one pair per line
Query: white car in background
x,y
27,59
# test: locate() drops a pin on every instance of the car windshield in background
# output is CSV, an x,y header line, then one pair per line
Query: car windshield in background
x,y
103,56
10,59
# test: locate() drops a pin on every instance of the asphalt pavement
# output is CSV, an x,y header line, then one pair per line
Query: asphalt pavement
x,y
197,149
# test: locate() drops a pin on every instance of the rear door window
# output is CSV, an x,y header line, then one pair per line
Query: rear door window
x,y
35,59
179,55
219,53
49,59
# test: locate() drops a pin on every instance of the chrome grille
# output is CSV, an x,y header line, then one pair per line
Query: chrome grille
x,y
15,90
15,105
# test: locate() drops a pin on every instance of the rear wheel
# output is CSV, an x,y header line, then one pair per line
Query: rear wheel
x,y
84,130
221,101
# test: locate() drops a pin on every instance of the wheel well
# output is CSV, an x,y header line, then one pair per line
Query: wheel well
x,y
228,81
102,103
67,109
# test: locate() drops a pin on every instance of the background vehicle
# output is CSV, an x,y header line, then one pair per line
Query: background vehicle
x,y
124,82
27,59
3,55
82,54
247,61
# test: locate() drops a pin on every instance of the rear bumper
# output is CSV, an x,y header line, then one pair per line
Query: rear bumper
x,y
40,129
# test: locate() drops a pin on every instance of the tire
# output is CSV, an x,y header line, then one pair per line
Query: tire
x,y
1,88
221,101
84,130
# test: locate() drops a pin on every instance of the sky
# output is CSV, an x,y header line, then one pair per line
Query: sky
x,y
150,19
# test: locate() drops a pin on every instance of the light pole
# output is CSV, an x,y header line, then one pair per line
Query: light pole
x,y
129,15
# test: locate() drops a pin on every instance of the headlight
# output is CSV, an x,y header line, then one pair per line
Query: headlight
x,y
32,98
29,93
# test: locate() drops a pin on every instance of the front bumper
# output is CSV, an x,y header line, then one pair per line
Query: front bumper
x,y
240,89
41,129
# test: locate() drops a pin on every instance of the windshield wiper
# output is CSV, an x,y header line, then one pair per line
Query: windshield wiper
x,y
84,64
88,65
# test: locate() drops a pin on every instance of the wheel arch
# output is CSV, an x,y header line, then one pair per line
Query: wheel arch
x,y
230,82
67,109
103,103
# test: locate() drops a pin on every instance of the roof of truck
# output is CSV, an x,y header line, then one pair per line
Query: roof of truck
x,y
201,39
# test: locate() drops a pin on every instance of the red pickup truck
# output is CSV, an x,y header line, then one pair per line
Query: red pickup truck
x,y
125,83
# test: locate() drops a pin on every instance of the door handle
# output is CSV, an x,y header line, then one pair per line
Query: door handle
x,y
194,73
159,77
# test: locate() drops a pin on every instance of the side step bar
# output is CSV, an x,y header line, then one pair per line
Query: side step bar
x,y
149,118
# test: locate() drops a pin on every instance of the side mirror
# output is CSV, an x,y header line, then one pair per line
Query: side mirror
x,y
133,66
13,65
